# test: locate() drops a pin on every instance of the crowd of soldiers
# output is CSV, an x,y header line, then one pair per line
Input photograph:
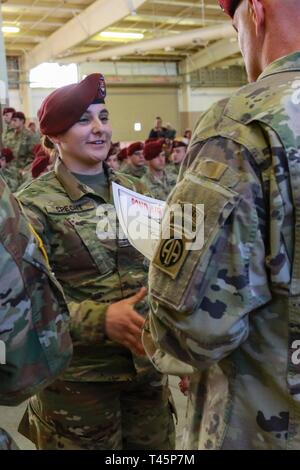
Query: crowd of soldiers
x,y
26,155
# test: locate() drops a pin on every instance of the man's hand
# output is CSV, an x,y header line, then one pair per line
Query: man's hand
x,y
124,325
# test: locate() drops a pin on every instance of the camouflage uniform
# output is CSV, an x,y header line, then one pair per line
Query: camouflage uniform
x,y
231,308
83,411
132,170
7,135
172,169
159,188
33,313
12,177
21,143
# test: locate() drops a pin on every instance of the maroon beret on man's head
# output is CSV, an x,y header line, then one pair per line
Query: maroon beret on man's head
x,y
153,149
8,110
19,115
229,6
7,154
64,106
135,147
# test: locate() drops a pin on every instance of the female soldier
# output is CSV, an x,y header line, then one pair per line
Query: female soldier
x,y
109,398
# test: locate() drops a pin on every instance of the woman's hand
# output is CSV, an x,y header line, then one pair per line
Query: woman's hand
x,y
124,325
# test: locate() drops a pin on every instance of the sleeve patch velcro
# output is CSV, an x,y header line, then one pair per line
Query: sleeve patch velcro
x,y
212,169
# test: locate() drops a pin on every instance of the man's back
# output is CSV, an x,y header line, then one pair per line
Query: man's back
x,y
233,313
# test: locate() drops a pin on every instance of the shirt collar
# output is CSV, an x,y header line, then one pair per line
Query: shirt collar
x,y
74,188
287,63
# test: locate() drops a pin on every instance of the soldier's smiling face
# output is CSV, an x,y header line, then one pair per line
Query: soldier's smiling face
x,y
87,142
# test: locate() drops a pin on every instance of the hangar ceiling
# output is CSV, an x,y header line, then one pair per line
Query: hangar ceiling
x,y
193,33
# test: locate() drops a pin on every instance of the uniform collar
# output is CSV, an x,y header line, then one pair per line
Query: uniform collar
x,y
74,188
287,63
154,179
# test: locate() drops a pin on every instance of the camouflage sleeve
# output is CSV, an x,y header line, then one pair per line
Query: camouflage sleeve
x,y
35,345
202,294
87,321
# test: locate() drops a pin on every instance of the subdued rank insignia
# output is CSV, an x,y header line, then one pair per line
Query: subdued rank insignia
x,y
170,256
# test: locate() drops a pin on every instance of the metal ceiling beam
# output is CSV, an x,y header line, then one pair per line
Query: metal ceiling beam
x,y
211,54
98,16
182,21
23,6
196,36
186,4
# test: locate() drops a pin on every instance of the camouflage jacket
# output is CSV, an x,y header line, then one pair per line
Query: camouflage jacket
x,y
12,177
230,308
94,271
21,143
6,135
172,169
136,171
35,346
159,188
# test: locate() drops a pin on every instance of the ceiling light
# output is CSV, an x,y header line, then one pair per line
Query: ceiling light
x,y
119,35
10,29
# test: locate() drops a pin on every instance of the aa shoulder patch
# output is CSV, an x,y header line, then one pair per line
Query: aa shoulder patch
x,y
170,256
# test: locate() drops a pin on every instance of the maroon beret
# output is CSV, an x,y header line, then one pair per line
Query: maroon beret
x,y
40,164
153,149
229,6
37,148
122,155
8,110
19,115
7,153
178,143
135,147
64,106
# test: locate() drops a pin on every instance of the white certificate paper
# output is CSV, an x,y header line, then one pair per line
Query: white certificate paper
x,y
140,218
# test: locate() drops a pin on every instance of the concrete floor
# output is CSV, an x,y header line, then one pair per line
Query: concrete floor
x,y
11,416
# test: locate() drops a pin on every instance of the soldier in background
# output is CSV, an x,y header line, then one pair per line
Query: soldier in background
x,y
135,160
33,314
8,172
111,397
158,182
7,128
21,141
229,306
123,158
113,162
177,156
